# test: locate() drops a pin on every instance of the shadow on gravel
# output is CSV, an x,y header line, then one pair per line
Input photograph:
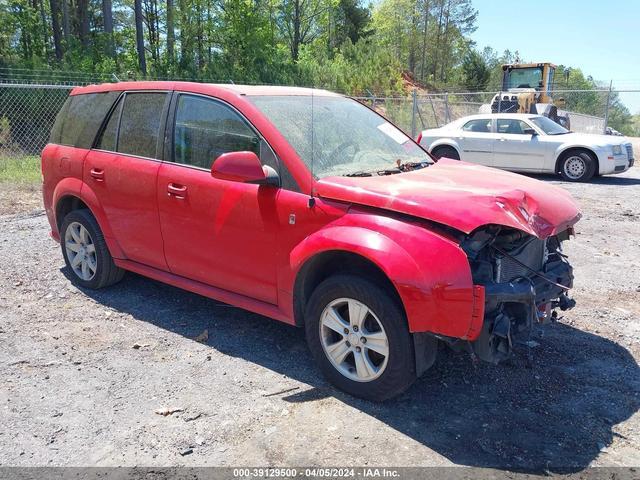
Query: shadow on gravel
x,y
552,407
604,180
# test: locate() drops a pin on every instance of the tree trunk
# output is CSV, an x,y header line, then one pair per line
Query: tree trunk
x,y
107,12
83,22
412,39
436,49
45,36
297,20
423,66
55,25
171,34
142,63
65,22
447,48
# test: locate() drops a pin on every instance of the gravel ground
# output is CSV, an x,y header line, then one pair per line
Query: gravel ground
x,y
84,374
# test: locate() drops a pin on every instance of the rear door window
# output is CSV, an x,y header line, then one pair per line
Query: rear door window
x,y
482,125
140,123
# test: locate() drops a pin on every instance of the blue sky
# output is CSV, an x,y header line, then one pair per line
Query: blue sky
x,y
602,38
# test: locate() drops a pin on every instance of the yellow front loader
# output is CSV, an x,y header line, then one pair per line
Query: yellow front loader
x,y
526,88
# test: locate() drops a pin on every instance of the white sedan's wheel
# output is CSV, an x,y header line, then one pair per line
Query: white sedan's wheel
x,y
577,166
81,251
574,167
354,340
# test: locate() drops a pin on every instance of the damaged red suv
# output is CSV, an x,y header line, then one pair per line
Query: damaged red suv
x,y
309,208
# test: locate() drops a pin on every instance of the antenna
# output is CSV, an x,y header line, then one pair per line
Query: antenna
x,y
312,200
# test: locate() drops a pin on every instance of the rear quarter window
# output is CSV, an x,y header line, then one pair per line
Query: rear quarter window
x,y
81,117
56,131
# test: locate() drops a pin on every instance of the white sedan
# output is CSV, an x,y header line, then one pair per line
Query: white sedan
x,y
529,143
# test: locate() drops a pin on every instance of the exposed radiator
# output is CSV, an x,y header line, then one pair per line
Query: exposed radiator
x,y
532,254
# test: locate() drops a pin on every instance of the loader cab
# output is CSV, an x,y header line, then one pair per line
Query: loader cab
x,y
536,76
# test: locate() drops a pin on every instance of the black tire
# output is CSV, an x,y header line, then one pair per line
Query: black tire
x,y
106,272
577,166
445,152
399,372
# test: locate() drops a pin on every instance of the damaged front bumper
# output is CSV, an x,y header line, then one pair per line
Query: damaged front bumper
x,y
539,278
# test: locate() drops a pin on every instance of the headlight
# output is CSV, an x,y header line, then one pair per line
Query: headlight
x,y
617,150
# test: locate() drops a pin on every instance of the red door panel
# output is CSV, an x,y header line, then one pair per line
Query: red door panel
x,y
126,188
219,232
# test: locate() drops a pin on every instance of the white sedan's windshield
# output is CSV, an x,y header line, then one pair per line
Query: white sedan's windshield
x,y
338,135
548,126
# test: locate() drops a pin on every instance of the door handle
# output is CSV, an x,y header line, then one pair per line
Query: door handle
x,y
97,174
502,139
178,191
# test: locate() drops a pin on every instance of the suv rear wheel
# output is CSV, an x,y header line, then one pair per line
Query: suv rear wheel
x,y
359,338
85,252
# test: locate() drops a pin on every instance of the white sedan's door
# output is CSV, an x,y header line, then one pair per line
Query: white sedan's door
x,y
513,149
476,141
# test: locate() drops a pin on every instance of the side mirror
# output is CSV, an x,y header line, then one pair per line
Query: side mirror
x,y
244,167
530,131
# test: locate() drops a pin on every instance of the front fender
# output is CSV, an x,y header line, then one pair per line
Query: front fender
x,y
449,142
595,150
430,272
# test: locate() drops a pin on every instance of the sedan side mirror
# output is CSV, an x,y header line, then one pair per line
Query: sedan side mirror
x,y
244,167
530,131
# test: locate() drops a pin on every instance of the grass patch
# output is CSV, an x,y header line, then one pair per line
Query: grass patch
x,y
20,170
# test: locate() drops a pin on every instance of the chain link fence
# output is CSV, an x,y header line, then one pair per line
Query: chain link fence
x,y
27,113
418,112
28,108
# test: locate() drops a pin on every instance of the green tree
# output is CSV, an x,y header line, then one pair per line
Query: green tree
x,y
476,72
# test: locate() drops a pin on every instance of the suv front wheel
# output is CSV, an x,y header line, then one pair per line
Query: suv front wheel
x,y
358,336
85,251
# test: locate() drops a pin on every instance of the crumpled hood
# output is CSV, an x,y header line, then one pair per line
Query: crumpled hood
x,y
462,195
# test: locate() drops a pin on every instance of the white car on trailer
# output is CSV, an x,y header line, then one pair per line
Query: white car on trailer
x,y
529,143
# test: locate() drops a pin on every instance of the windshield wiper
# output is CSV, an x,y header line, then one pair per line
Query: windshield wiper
x,y
364,173
359,173
406,167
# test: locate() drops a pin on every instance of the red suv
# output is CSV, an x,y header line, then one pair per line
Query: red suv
x,y
309,208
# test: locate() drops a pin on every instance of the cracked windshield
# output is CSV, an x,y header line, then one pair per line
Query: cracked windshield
x,y
348,138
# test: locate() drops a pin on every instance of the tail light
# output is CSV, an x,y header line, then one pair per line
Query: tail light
x,y
419,139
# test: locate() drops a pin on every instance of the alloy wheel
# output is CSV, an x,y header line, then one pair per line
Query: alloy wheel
x,y
81,251
354,340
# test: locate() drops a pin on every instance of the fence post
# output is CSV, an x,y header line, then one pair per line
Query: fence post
x,y
447,116
414,109
606,109
433,109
